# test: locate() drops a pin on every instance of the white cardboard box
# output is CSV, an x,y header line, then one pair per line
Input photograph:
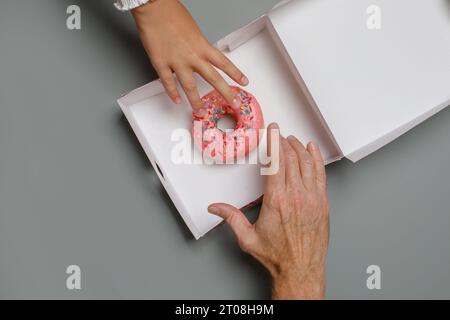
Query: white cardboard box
x,y
323,76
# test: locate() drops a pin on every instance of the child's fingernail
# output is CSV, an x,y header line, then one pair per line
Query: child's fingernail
x,y
236,103
244,81
200,112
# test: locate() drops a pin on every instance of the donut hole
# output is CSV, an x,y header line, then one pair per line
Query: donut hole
x,y
227,122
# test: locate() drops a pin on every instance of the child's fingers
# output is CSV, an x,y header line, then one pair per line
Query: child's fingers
x,y
219,60
210,74
168,81
189,85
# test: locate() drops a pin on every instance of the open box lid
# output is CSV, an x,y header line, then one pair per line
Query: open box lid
x,y
370,86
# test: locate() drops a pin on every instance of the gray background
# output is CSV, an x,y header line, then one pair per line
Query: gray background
x,y
75,187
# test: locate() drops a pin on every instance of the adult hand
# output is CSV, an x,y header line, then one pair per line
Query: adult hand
x,y
290,237
175,44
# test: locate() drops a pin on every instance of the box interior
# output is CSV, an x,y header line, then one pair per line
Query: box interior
x,y
193,187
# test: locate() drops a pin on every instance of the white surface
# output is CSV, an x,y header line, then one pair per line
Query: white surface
x,y
369,85
193,187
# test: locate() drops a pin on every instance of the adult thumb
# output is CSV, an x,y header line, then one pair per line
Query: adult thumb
x,y
238,222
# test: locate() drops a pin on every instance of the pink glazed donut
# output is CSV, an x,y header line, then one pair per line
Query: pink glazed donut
x,y
227,147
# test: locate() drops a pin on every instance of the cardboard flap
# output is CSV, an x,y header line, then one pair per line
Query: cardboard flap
x,y
369,85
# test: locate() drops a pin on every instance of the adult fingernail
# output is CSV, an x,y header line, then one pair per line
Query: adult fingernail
x,y
291,138
236,103
275,125
213,210
244,81
313,146
177,100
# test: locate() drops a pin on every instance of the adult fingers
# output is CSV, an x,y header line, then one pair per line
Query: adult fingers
x,y
215,79
319,165
293,176
189,86
218,59
305,162
168,81
242,228
276,171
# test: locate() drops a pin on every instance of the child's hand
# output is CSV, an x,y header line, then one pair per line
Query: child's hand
x,y
174,43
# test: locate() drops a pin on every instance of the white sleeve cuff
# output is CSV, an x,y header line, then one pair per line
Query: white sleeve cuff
x,y
127,5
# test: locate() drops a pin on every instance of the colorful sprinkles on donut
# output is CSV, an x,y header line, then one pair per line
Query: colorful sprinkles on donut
x,y
230,145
